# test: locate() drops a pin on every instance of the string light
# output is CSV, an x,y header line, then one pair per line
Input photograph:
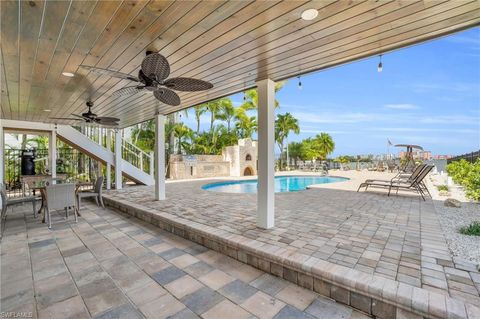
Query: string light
x,y
380,65
299,83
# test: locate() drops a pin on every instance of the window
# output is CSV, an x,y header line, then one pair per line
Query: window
x,y
248,157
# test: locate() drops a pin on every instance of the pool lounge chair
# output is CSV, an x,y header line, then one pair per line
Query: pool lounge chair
x,y
401,176
413,184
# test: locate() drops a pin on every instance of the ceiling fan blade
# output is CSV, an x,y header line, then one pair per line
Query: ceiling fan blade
x,y
107,119
129,90
155,66
79,116
167,96
187,84
114,74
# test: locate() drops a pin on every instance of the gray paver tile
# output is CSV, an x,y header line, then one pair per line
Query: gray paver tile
x,y
125,311
269,284
262,305
168,275
289,312
328,309
171,253
198,269
238,291
202,300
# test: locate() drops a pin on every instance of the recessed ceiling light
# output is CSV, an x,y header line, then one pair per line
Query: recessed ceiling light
x,y
47,110
309,14
70,75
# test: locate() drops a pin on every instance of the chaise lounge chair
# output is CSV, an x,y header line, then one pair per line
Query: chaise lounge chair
x,y
412,183
401,176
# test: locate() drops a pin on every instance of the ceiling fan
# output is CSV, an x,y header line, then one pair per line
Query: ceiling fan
x,y
152,77
90,117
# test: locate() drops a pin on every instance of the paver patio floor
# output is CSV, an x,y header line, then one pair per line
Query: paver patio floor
x,y
109,265
398,237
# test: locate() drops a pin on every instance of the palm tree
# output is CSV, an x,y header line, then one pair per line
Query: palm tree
x,y
213,107
199,111
325,144
251,97
182,132
226,112
285,124
245,125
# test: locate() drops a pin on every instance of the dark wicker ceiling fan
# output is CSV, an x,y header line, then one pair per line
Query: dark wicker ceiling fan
x,y
152,77
90,117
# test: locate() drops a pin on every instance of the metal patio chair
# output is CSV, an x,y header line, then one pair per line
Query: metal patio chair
x,y
60,196
15,201
96,193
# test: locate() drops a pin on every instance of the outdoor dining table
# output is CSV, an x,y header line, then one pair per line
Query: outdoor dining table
x,y
42,187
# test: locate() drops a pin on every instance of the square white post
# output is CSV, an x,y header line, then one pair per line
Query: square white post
x,y
266,154
159,157
109,166
2,153
99,163
52,152
118,159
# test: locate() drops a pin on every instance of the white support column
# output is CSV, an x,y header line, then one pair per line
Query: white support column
x,y
2,146
159,157
109,167
118,159
52,153
266,154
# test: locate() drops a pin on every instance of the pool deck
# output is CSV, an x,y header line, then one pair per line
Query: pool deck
x,y
373,252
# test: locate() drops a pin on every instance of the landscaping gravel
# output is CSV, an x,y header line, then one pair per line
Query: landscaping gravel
x,y
452,219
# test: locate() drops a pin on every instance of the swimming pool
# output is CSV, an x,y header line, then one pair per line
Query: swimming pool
x,y
282,184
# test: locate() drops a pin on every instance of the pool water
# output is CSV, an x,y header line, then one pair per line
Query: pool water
x,y
282,184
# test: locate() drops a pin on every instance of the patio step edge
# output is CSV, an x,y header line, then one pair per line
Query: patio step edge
x,y
375,295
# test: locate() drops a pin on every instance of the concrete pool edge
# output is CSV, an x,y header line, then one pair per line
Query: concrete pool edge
x,y
372,294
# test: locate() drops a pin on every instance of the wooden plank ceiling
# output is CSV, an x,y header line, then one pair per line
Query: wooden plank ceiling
x,y
229,43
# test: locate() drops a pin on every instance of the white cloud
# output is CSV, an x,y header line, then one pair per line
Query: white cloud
x,y
401,106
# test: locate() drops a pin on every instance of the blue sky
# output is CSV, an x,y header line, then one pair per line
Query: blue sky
x,y
427,94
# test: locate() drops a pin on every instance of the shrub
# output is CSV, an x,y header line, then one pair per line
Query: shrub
x,y
467,175
442,188
473,229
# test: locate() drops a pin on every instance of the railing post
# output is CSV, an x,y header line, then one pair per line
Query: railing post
x,y
152,163
52,152
118,159
141,161
109,166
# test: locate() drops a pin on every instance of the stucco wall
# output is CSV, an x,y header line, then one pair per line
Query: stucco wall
x,y
198,166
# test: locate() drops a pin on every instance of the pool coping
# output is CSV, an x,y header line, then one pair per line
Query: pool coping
x,y
372,294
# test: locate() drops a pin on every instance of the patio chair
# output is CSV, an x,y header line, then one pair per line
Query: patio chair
x,y
15,201
60,196
412,184
405,177
96,193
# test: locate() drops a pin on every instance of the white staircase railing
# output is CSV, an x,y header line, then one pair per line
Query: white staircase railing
x,y
130,152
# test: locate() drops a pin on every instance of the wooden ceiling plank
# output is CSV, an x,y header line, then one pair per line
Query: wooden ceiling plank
x,y
31,19
137,58
78,21
5,101
265,33
97,82
301,52
374,48
170,33
10,54
187,94
105,25
74,23
352,18
245,27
